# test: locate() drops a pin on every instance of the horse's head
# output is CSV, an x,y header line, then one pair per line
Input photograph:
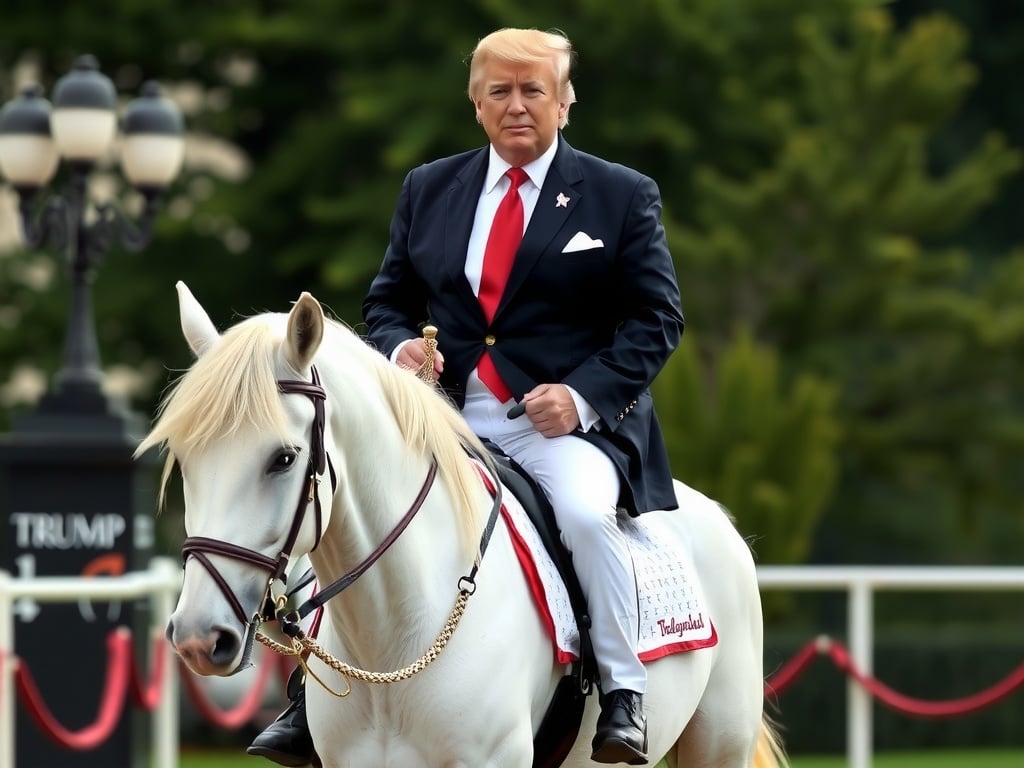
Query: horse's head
x,y
246,425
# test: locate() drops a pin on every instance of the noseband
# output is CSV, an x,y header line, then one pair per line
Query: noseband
x,y
201,546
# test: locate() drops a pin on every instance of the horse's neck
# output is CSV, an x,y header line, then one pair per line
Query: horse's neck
x,y
394,605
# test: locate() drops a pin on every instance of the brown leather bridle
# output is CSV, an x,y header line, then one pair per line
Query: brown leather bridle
x,y
199,547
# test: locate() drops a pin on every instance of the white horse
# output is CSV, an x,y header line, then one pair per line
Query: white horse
x,y
242,425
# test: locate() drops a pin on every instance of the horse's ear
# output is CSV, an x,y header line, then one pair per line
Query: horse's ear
x,y
305,331
199,330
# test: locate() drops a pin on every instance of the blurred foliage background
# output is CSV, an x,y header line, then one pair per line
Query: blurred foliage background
x,y
841,184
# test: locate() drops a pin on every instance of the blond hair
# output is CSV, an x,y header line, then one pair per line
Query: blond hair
x,y
526,46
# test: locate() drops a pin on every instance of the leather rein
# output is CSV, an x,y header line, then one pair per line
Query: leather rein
x,y
199,547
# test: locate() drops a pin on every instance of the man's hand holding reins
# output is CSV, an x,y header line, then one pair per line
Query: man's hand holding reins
x,y
551,409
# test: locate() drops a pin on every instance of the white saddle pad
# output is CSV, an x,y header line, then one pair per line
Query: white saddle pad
x,y
671,605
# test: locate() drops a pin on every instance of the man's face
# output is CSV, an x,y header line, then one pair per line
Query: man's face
x,y
518,106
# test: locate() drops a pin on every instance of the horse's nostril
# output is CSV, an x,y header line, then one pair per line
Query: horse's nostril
x,y
225,647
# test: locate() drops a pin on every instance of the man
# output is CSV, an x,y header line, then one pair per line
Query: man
x,y
573,322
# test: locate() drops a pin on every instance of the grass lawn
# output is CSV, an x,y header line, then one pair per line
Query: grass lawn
x,y
945,759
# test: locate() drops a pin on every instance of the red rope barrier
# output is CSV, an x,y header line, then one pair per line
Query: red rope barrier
x,y
123,672
245,710
908,705
148,697
918,707
792,669
112,704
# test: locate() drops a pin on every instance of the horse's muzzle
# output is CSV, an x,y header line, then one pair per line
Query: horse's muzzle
x,y
218,650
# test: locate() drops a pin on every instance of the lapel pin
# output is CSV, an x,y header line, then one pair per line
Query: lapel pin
x,y
561,201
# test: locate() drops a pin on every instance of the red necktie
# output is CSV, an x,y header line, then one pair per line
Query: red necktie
x,y
500,252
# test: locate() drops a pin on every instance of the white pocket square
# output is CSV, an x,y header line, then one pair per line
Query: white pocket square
x,y
581,241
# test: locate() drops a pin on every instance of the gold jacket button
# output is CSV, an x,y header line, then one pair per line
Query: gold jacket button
x,y
489,340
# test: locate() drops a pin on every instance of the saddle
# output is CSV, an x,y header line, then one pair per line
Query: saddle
x,y
561,723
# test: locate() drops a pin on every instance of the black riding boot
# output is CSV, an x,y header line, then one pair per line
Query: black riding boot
x,y
286,741
621,729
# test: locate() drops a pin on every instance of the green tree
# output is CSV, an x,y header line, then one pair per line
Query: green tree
x,y
806,199
996,48
767,454
821,248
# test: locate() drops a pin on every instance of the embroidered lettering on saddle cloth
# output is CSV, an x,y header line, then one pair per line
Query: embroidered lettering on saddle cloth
x,y
672,611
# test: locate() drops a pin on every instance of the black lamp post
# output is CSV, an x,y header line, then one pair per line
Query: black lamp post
x,y
73,501
80,127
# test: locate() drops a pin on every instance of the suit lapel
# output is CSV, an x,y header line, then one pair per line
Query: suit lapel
x,y
463,196
558,197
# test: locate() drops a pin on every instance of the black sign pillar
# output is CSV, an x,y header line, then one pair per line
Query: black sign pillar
x,y
75,503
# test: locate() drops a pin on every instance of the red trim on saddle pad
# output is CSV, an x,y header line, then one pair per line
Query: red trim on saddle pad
x,y
686,645
673,625
533,580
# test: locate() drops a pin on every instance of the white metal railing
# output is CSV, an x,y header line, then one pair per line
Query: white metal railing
x,y
161,583
860,583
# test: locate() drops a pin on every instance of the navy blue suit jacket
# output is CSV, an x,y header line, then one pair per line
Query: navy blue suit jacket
x,y
602,320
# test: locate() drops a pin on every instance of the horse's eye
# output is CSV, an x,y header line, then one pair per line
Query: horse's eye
x,y
283,461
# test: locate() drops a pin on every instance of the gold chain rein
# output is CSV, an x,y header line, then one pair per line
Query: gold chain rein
x,y
302,645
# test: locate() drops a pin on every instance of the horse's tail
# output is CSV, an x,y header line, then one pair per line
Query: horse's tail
x,y
769,752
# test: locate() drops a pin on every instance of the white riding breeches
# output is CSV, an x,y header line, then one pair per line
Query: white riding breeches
x,y
583,486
